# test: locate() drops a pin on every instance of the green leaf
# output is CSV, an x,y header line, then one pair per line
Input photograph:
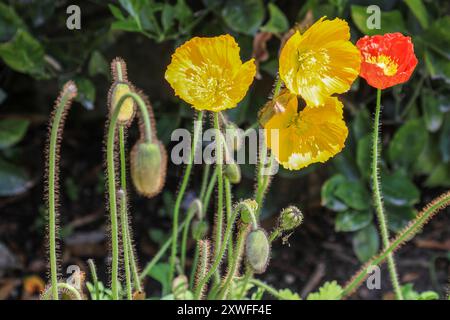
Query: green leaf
x,y
98,64
398,189
116,12
407,144
243,16
13,179
160,272
10,21
352,220
364,155
354,194
86,92
278,23
431,110
439,177
167,17
329,199
329,291
444,140
420,11
366,243
287,294
399,217
128,24
391,21
12,131
23,53
409,293
437,42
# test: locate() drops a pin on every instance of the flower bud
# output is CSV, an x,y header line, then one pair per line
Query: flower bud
x,y
148,168
233,172
126,112
199,229
250,205
257,250
290,218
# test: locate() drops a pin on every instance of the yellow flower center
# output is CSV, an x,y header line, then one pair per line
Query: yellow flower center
x,y
313,60
388,65
209,83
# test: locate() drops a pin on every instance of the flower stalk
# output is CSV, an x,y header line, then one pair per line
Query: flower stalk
x,y
62,105
376,149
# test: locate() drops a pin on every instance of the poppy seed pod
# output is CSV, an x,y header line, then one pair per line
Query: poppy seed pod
x,y
233,172
148,168
257,250
290,218
126,112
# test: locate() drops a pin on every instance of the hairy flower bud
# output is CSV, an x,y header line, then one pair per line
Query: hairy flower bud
x,y
148,168
290,218
126,112
257,250
233,172
249,205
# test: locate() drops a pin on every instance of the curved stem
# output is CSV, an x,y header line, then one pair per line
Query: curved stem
x,y
52,192
112,182
65,286
268,288
376,149
204,181
184,183
405,235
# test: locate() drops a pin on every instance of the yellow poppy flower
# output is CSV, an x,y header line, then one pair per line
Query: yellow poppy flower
x,y
320,62
209,74
315,134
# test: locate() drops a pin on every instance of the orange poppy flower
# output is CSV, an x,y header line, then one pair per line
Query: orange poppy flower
x,y
387,60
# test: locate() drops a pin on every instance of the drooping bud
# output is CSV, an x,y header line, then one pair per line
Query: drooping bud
x,y
257,250
126,112
233,172
199,229
290,218
249,207
148,167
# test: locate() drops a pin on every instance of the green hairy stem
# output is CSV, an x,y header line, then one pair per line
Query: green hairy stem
x,y
218,257
112,180
57,124
184,183
376,150
405,235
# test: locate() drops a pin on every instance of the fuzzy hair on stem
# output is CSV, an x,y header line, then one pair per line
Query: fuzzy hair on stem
x,y
56,128
428,212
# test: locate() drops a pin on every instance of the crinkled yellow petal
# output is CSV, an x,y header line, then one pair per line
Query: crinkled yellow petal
x,y
208,73
313,135
321,62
